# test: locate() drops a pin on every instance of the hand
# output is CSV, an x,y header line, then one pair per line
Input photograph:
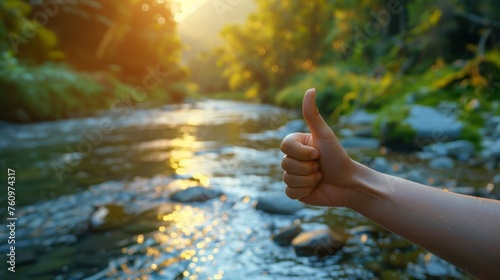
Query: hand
x,y
317,169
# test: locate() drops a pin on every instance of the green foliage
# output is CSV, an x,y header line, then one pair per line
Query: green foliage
x,y
471,133
128,42
53,91
280,40
391,119
340,90
205,72
381,37
24,37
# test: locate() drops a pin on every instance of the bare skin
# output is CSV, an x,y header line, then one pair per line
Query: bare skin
x,y
462,230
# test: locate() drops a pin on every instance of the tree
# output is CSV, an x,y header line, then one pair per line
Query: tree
x,y
281,39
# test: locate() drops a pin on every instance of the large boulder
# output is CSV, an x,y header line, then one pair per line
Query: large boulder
x,y
416,126
430,123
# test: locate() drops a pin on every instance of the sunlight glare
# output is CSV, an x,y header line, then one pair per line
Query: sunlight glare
x,y
186,7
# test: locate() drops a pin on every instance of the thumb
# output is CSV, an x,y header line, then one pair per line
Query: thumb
x,y
325,141
317,125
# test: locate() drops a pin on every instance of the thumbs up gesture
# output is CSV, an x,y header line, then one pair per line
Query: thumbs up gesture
x,y
317,169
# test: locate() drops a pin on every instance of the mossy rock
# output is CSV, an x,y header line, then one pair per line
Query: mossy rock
x,y
411,127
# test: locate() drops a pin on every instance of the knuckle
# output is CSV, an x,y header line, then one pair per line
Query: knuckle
x,y
284,163
284,147
287,179
292,193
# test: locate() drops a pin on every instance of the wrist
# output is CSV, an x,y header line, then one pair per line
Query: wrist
x,y
368,186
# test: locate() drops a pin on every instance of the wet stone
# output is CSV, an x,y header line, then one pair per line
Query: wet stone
x,y
416,176
195,194
278,204
460,149
381,165
463,190
442,163
109,217
286,235
359,142
368,229
365,132
399,259
318,243
435,269
359,118
291,127
427,120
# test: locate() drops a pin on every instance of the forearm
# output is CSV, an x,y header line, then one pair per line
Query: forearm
x,y
463,230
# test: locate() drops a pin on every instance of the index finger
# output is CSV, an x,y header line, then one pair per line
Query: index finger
x,y
294,145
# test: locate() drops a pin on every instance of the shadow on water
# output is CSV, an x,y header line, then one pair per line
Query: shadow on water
x,y
96,204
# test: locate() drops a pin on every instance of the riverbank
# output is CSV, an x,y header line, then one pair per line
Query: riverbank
x,y
55,91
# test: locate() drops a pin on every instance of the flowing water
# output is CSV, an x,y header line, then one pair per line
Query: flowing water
x,y
128,162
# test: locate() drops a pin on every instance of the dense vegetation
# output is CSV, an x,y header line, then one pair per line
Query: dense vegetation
x,y
374,54
61,59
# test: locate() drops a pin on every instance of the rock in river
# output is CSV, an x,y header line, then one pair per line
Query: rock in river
x,y
107,217
442,163
286,235
415,126
195,194
460,149
318,243
278,204
358,142
430,123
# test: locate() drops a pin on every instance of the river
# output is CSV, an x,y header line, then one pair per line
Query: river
x,y
128,162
